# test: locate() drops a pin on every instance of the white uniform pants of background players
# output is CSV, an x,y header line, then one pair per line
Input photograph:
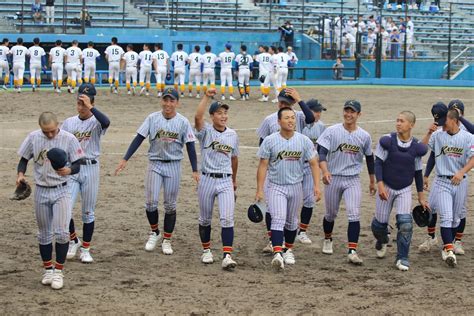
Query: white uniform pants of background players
x,y
166,175
244,77
53,214
35,73
4,69
347,187
400,199
57,70
18,71
145,75
226,77
89,72
284,203
87,183
195,77
114,71
281,76
160,76
131,75
208,190
449,201
209,77
179,74
72,73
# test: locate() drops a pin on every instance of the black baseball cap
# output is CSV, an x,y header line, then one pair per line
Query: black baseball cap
x,y
285,98
456,104
87,89
57,157
315,106
439,111
353,104
172,93
216,106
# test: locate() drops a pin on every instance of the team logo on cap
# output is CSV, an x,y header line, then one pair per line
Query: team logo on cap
x,y
169,90
86,90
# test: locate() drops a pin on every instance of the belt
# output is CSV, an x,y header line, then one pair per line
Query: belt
x,y
53,186
88,162
450,177
217,175
165,161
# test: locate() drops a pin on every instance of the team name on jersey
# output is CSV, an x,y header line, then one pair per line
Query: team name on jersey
x,y
289,155
451,151
348,148
41,157
82,135
221,148
166,135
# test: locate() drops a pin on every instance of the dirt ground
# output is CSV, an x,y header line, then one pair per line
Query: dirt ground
x,y
125,279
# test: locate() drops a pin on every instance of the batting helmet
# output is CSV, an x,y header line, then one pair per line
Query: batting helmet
x,y
57,157
255,212
421,216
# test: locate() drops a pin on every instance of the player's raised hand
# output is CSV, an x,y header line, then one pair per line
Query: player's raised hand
x,y
85,100
122,164
327,178
382,192
293,93
432,128
211,92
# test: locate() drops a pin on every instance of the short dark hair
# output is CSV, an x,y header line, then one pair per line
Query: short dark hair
x,y
159,45
130,46
244,48
265,48
75,42
90,44
146,45
114,40
197,48
273,48
179,46
283,109
207,48
36,40
5,40
280,49
19,40
59,42
453,114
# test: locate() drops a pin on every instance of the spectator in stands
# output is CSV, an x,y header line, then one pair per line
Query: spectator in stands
x,y
385,41
287,33
361,26
394,43
350,24
49,6
292,55
338,69
372,24
410,25
401,22
349,43
371,39
86,17
37,12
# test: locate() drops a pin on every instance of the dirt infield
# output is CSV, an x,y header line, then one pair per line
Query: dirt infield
x,y
126,279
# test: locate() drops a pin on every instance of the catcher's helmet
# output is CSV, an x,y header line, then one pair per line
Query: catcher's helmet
x,y
255,212
421,216
57,157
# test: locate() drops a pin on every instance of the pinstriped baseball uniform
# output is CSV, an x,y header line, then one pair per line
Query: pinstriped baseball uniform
x,y
52,205
217,150
286,159
167,138
346,151
313,132
270,124
88,132
400,199
452,153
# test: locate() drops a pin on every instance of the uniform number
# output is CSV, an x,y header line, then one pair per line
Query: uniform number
x,y
266,59
36,53
90,54
115,51
72,53
147,57
228,59
57,53
209,59
196,59
282,59
180,57
132,57
161,56
19,52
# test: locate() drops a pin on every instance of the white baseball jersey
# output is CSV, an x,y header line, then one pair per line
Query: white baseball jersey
x,y
346,150
382,153
270,124
131,59
217,149
4,51
286,157
161,57
209,60
90,56
57,54
167,136
264,63
452,152
293,57
195,60
281,60
36,146
179,58
226,59
36,53
114,53
243,61
74,55
145,57
19,53
87,132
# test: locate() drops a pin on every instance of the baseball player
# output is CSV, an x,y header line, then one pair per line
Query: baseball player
x,y
283,154
37,63
281,61
57,56
260,51
195,63
312,131
179,60
88,126
90,56
265,70
463,122
113,54
130,58
244,65
209,60
19,53
226,59
52,197
453,151
4,67
73,63
342,148
162,67
168,132
219,152
145,62
398,162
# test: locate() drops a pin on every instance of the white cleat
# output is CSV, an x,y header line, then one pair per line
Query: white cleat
x,y
73,248
207,257
223,98
289,257
166,247
400,266
232,98
449,257
459,248
86,256
428,244
268,248
18,90
47,277
265,99
33,89
275,101
382,251
115,91
57,280
147,94
142,90
4,87
190,95
262,99
198,96
327,247
69,90
182,95
58,91
228,263
303,238
278,262
159,94
354,258
129,92
153,239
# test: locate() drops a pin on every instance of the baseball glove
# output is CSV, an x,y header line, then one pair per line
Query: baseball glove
x,y
262,78
256,212
22,191
421,216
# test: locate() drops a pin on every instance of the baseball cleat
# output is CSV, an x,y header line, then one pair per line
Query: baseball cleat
x,y
115,91
73,247
400,266
198,96
275,101
278,262
428,244
327,247
223,98
242,98
47,277
449,257
129,92
69,89
182,95
166,247
18,90
262,99
159,94
207,257
268,248
380,249
190,95
354,258
4,87
289,257
33,89
147,94
153,239
303,238
459,248
86,256
232,98
57,280
228,263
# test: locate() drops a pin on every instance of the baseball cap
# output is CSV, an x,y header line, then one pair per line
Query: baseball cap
x,y
57,157
87,89
456,104
283,97
228,46
353,104
216,106
439,111
315,106
172,93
